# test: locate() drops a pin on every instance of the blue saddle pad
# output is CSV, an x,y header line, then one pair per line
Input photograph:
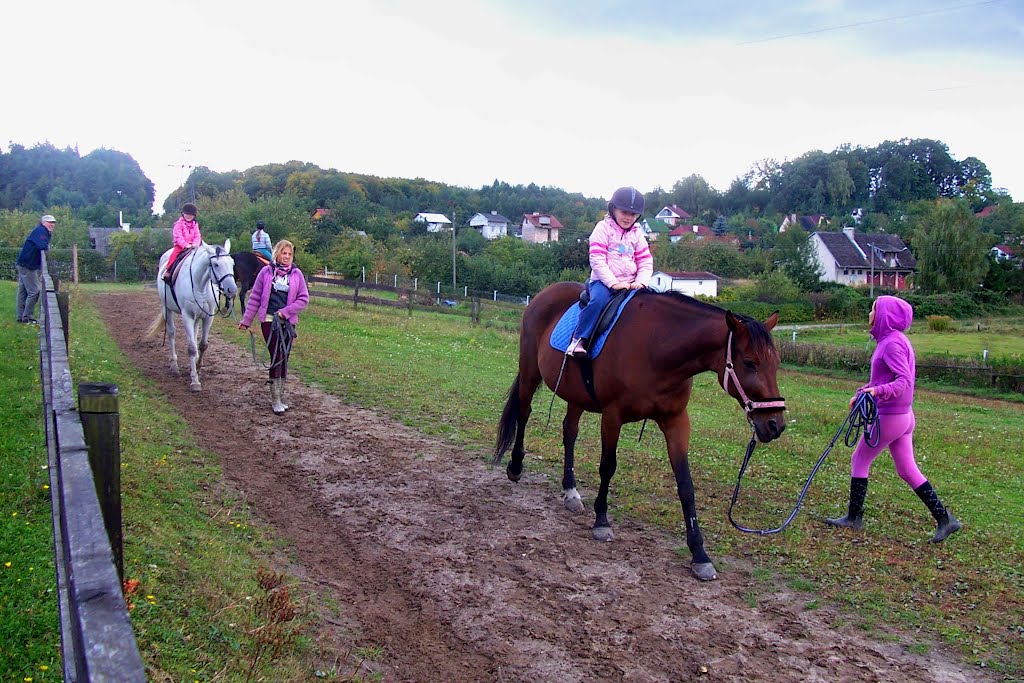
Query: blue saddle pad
x,y
562,334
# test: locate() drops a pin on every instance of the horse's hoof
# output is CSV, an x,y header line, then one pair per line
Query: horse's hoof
x,y
705,571
572,501
603,534
196,387
175,372
513,476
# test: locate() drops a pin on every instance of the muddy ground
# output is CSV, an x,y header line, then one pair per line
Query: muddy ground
x,y
463,576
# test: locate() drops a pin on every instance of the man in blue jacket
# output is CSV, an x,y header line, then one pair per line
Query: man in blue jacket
x,y
29,263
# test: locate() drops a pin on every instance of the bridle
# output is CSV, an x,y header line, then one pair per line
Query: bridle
x,y
749,406
215,283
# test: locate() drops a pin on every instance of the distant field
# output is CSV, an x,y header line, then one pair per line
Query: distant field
x,y
1001,336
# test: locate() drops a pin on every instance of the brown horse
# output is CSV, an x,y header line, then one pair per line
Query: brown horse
x,y
645,371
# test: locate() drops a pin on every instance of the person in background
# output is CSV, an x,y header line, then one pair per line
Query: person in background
x,y
186,236
619,259
29,266
893,372
261,241
278,294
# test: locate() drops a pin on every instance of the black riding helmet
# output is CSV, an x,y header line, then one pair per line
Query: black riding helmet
x,y
627,199
190,209
260,225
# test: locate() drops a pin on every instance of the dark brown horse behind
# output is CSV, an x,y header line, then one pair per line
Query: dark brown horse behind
x,y
645,371
247,267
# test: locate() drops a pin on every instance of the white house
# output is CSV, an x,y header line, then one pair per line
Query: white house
x,y
491,225
691,284
436,222
672,215
1002,252
853,259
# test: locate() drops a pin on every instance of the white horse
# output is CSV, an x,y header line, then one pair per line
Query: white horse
x,y
204,274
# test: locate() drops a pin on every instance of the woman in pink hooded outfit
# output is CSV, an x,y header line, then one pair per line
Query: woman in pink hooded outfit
x,y
893,373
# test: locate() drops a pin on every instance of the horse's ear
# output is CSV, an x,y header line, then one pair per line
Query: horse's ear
x,y
227,245
772,321
732,321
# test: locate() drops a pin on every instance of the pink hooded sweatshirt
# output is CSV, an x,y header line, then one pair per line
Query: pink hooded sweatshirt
x,y
893,366
186,234
618,255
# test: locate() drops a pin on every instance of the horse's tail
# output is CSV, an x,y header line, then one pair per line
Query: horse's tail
x,y
509,422
156,325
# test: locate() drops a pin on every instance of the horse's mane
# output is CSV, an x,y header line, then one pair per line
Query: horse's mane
x,y
760,337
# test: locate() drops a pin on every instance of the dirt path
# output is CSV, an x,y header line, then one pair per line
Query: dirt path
x,y
464,576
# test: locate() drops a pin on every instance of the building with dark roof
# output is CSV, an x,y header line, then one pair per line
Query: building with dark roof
x,y
849,258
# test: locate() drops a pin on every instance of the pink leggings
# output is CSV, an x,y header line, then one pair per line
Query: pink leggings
x,y
897,434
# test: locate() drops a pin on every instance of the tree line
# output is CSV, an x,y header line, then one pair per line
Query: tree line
x,y
913,188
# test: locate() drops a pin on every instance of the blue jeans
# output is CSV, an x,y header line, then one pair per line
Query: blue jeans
x,y
600,294
264,252
28,293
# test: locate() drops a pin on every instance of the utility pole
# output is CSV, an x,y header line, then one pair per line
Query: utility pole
x,y
454,224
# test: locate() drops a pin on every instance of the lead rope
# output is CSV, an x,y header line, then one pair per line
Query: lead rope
x,y
862,417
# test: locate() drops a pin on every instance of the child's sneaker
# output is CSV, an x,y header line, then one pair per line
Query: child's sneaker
x,y
576,348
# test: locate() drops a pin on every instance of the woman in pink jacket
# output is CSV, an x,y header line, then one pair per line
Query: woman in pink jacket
x,y
278,294
619,259
186,236
893,371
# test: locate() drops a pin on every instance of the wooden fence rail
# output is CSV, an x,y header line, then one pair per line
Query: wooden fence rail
x,y
97,642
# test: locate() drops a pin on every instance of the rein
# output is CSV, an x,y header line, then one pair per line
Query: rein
x,y
862,417
285,336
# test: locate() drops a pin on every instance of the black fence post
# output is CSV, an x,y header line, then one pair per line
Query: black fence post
x,y
101,423
355,297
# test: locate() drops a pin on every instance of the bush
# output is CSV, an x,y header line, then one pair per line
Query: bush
x,y
939,323
793,312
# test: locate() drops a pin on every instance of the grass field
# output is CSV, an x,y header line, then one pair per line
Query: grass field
x,y
447,377
968,339
192,611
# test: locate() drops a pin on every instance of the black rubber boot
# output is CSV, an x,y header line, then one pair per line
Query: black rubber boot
x,y
947,523
854,518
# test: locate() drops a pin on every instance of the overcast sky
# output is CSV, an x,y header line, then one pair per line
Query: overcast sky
x,y
586,95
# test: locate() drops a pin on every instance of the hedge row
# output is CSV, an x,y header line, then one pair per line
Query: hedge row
x,y
92,266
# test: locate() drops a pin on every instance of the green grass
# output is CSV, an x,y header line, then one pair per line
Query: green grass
x,y
1001,337
30,629
447,377
189,540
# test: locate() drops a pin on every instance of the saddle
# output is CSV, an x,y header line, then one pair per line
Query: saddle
x,y
261,258
610,311
175,268
566,326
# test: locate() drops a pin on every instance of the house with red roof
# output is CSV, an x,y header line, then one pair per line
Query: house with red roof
x,y
672,215
697,232
539,228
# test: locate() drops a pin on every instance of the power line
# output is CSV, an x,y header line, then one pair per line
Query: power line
x,y
870,22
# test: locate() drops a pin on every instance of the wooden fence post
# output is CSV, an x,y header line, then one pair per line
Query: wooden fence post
x,y
63,305
101,423
409,301
355,297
